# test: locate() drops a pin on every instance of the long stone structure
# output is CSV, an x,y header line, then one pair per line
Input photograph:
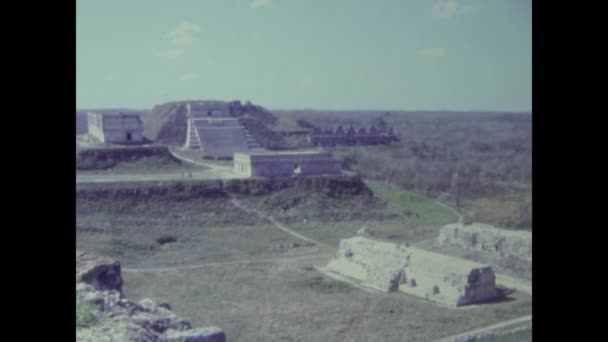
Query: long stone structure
x,y
351,136
390,267
285,163
487,238
115,128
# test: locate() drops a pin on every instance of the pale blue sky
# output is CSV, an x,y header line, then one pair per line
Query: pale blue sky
x,y
323,54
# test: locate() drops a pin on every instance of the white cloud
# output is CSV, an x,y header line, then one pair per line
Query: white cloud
x,y
448,8
432,52
181,39
188,77
184,34
259,3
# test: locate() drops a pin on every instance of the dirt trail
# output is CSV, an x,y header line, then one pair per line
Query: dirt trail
x,y
277,224
510,324
454,211
210,264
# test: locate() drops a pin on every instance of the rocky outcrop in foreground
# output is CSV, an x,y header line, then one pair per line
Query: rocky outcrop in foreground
x,y
115,318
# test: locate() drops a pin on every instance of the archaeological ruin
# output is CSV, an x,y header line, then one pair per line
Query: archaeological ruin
x,y
285,163
214,129
391,267
115,128
351,136
487,238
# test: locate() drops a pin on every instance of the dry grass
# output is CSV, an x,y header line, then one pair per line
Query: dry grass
x,y
273,297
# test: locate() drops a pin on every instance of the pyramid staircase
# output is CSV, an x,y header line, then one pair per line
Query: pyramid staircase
x,y
193,140
251,142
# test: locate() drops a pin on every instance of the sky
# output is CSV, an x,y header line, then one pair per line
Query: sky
x,y
306,54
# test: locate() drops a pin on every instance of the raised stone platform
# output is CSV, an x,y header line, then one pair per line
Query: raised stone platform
x,y
390,267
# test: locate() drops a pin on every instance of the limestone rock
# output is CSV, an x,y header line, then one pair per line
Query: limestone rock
x,y
120,319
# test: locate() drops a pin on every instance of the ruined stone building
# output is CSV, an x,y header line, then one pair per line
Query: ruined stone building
x,y
115,128
390,267
487,238
285,164
351,136
214,128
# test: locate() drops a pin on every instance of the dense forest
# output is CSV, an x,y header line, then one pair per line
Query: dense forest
x,y
479,162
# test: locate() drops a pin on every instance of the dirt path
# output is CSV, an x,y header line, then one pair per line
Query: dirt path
x,y
185,175
277,224
210,264
510,324
454,211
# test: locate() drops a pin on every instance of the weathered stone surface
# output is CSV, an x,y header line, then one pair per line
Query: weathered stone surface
x,y
484,237
116,128
120,319
285,164
390,267
99,272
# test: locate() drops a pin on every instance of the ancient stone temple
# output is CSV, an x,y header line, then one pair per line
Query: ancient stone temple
x,y
214,128
285,163
390,267
115,128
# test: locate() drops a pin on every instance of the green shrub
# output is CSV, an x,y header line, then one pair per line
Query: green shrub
x,y
86,314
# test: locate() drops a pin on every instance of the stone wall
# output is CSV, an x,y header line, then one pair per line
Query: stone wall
x,y
484,237
285,164
116,128
436,277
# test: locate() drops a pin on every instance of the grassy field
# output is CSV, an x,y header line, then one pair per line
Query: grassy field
x,y
506,205
423,209
286,301
269,291
420,219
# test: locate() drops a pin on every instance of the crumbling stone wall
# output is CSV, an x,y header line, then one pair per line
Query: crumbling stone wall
x,y
484,237
352,136
390,267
